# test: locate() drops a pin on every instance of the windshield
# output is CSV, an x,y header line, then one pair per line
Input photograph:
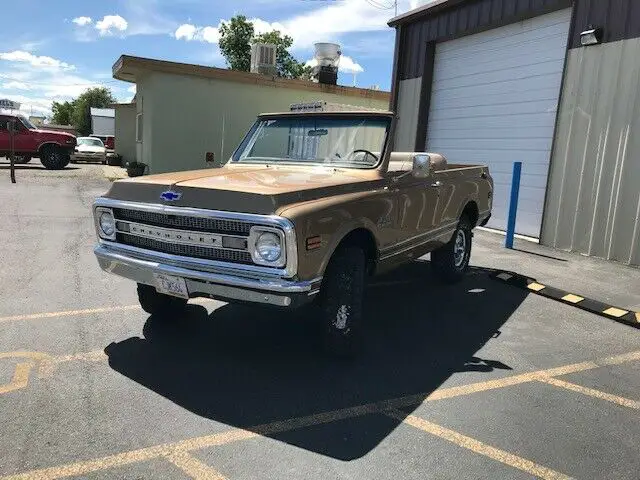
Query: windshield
x,y
26,122
354,142
90,142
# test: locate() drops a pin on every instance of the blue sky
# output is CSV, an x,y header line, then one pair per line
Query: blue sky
x,y
53,50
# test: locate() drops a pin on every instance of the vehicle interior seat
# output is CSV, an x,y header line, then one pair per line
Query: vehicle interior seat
x,y
403,161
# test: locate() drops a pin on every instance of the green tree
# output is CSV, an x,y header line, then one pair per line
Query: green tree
x,y
62,113
235,42
286,65
98,97
236,37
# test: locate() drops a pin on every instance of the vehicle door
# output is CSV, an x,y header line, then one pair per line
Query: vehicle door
x,y
418,205
24,139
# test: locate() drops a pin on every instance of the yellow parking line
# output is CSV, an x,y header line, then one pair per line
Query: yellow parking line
x,y
68,313
133,456
478,447
86,311
618,359
48,366
510,381
194,467
625,402
20,378
236,434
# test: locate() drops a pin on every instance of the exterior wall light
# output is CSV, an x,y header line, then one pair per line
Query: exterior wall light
x,y
591,36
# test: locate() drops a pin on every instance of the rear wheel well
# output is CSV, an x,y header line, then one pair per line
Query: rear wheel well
x,y
363,238
471,212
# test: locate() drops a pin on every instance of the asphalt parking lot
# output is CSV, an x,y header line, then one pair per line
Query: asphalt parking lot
x,y
479,380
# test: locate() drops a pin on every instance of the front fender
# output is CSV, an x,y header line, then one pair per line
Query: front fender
x,y
327,224
341,234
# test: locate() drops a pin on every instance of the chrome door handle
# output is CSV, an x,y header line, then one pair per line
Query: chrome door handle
x,y
437,184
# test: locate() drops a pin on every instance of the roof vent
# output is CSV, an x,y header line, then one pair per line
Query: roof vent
x,y
263,59
327,58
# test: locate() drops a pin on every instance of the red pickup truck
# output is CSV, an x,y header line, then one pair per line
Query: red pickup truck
x,y
53,148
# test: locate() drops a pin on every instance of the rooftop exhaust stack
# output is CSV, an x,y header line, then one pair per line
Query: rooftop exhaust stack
x,y
327,58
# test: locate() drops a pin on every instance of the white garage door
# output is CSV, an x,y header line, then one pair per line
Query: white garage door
x,y
494,101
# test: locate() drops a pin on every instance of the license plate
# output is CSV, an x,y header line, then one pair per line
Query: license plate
x,y
170,285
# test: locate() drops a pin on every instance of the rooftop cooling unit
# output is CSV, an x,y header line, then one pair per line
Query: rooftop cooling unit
x,y
263,59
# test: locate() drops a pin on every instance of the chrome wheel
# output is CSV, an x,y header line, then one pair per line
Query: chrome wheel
x,y
459,248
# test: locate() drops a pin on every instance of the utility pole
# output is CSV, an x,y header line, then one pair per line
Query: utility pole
x,y
11,127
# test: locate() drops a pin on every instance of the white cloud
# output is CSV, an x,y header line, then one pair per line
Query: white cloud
x,y
30,105
34,60
418,3
110,24
261,26
132,89
38,87
185,32
82,21
190,33
15,85
346,65
330,22
147,17
324,24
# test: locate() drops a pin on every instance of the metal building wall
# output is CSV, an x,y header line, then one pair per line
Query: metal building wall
x,y
593,199
456,18
407,110
103,125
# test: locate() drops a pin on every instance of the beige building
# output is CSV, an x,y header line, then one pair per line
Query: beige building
x,y
184,112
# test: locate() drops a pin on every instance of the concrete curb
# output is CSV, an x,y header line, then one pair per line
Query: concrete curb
x,y
114,173
622,315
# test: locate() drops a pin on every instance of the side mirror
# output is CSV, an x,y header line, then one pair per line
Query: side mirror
x,y
422,166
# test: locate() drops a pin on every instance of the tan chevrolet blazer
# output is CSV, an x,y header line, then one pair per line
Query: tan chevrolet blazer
x,y
306,209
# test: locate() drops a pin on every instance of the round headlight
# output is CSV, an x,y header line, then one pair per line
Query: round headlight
x,y
107,224
268,246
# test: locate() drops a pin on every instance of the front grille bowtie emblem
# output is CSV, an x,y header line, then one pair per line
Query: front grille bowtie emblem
x,y
170,196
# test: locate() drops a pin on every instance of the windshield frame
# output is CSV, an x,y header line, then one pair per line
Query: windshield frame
x,y
386,116
91,139
26,123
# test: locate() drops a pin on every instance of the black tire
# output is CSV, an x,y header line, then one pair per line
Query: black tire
x,y
155,303
54,158
21,158
451,261
114,161
341,302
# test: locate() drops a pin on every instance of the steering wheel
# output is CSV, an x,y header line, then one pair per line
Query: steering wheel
x,y
361,150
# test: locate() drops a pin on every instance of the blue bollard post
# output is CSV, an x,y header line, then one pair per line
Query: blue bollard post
x,y
513,204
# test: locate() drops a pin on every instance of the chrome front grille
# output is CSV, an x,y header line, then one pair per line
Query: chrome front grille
x,y
197,224
224,255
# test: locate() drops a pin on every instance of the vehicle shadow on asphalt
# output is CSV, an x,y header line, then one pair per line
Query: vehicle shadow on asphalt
x,y
246,366
22,166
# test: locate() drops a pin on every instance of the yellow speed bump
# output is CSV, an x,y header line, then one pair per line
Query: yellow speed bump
x,y
571,298
615,312
536,287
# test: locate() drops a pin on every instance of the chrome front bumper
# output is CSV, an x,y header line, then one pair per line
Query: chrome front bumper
x,y
221,286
